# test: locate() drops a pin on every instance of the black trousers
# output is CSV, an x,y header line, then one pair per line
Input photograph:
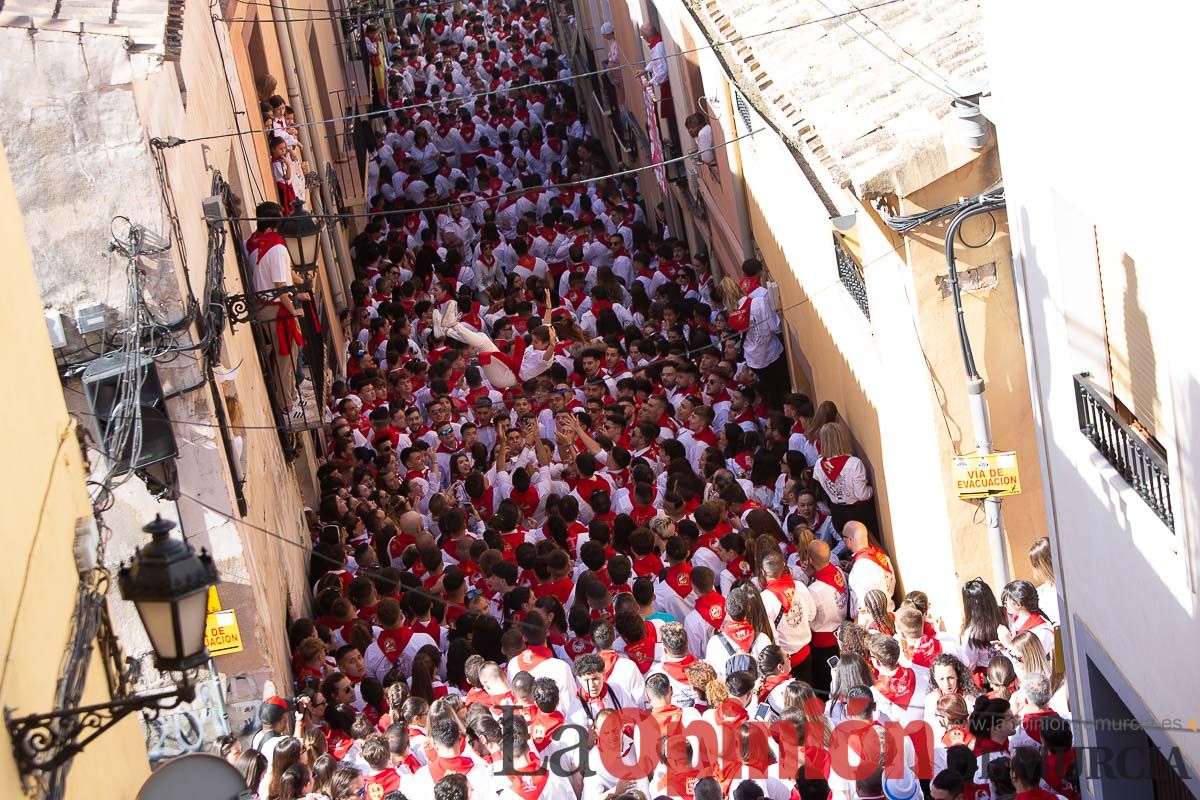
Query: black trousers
x,y
822,673
863,512
774,381
804,670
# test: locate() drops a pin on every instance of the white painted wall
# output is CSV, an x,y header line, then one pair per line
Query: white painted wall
x,y
1094,132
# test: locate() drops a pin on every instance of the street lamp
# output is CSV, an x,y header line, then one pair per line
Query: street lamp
x,y
168,583
301,233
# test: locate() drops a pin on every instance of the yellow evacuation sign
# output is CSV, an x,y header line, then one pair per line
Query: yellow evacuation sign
x,y
221,634
993,475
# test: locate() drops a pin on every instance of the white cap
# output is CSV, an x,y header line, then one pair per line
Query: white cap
x,y
606,29
905,787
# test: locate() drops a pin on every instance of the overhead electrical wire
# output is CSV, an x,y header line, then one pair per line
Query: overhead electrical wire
x,y
175,141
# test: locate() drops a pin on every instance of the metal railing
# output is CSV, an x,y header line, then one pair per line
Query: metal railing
x,y
1127,450
851,275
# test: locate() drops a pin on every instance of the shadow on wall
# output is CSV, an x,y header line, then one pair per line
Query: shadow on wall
x,y
1171,611
820,361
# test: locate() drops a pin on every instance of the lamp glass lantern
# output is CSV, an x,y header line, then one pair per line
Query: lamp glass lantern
x,y
301,233
167,581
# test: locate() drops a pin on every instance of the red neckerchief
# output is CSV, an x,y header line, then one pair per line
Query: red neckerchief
x,y
527,501
739,568
958,735
1058,766
1032,723
730,713
831,576
610,659
832,467
677,670
898,687
1031,622
783,587
641,652
875,554
387,780
543,726
458,765
923,652
742,634
578,646
393,641
679,578
669,719
649,564
712,608
770,683
531,656
431,628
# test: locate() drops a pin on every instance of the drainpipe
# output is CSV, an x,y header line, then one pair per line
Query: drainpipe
x,y
975,390
745,231
298,95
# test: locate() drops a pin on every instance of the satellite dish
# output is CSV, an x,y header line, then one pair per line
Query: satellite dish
x,y
195,776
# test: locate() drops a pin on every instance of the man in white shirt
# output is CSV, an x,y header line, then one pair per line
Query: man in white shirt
x,y
539,661
272,269
791,610
450,759
870,566
900,691
763,347
521,776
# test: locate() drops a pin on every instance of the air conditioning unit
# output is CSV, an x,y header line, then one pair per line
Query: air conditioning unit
x,y
101,387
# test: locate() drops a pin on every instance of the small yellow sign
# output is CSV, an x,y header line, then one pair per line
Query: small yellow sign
x,y
221,634
992,475
214,602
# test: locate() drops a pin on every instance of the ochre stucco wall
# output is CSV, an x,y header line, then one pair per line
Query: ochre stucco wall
x,y
43,473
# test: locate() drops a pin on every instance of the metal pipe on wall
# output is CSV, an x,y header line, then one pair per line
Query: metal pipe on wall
x,y
980,421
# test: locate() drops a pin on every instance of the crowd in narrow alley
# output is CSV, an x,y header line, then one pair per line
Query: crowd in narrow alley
x,y
570,508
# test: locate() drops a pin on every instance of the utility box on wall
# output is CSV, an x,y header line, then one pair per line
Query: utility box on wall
x,y
102,387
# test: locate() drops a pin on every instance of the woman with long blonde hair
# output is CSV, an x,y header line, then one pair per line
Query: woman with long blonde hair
x,y
843,477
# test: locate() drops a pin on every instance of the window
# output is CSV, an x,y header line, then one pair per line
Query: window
x,y
851,275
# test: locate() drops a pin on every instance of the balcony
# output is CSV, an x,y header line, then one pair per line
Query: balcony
x,y
1130,453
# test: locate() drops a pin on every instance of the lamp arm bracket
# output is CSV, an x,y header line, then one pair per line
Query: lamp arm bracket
x,y
43,742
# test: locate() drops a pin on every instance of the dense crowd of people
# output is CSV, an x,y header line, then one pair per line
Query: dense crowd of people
x,y
576,538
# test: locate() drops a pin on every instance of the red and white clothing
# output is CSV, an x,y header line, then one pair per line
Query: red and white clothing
x,y
396,647
791,610
872,569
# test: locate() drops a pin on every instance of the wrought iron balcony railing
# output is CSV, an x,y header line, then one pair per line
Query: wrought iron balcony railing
x,y
1129,453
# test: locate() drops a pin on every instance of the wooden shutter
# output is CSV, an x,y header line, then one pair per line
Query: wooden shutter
x,y
1134,371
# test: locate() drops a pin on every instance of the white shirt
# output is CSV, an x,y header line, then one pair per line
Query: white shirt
x,y
762,345
792,632
866,575
556,670
717,654
851,484
272,268
704,145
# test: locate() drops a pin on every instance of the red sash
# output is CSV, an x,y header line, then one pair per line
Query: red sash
x,y
740,320
382,782
958,735
1033,621
898,688
610,659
